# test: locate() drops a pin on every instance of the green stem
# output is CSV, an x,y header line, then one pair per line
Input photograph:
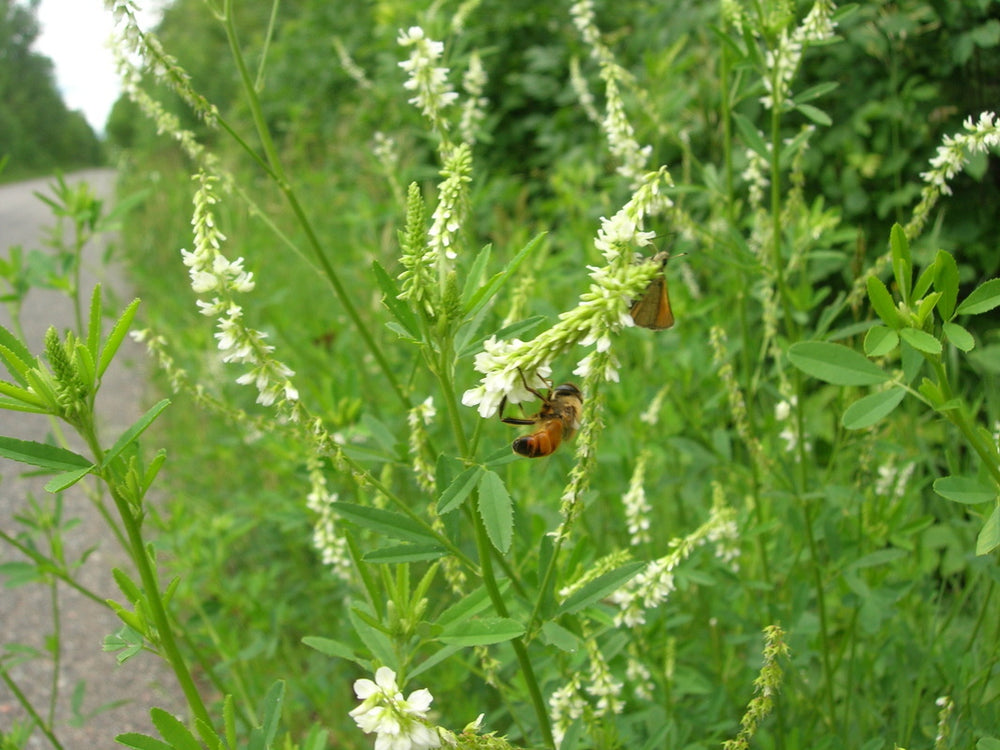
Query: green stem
x,y
51,568
727,132
964,422
821,607
484,548
57,650
154,601
30,709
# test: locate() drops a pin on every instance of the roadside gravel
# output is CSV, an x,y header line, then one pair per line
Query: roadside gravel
x,y
26,611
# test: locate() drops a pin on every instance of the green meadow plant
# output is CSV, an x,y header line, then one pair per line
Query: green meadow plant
x,y
613,593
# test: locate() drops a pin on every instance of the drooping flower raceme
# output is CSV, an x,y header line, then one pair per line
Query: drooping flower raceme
x,y
632,157
213,274
952,156
400,724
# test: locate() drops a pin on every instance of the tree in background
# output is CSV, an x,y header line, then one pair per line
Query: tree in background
x,y
37,131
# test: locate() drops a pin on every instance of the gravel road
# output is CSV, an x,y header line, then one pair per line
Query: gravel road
x,y
26,611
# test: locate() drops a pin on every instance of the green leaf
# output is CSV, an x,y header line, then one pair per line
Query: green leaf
x,y
173,730
872,408
482,631
485,293
496,509
921,340
880,340
26,397
882,303
925,308
41,454
600,587
989,536
67,479
336,649
469,606
384,522
141,741
815,92
271,708
405,553
132,433
375,640
902,265
959,336
924,281
964,490
815,114
208,735
474,279
15,355
835,363
752,137
456,492
558,636
118,332
946,283
433,660
984,297
390,298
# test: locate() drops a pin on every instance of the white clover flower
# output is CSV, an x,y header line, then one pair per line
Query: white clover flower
x,y
400,724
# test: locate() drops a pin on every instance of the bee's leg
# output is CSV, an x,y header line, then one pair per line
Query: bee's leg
x,y
530,389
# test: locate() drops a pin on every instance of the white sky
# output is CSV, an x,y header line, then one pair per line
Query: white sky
x,y
74,34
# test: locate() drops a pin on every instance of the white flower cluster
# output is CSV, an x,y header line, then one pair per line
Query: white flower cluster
x,y
566,705
427,79
418,418
212,273
650,588
331,546
954,151
632,158
400,724
350,67
603,311
450,210
893,481
474,106
783,61
507,375
637,507
603,685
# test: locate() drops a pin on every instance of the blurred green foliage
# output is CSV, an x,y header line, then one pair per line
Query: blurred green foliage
x,y
38,134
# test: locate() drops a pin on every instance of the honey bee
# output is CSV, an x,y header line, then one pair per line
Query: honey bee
x,y
557,420
652,309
